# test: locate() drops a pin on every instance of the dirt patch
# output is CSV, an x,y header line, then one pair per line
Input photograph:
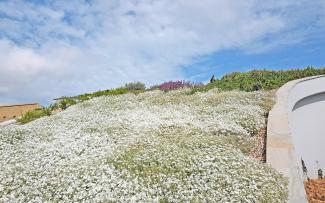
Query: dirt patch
x,y
315,190
259,151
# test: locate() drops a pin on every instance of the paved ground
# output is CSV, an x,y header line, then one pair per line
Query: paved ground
x,y
9,122
315,190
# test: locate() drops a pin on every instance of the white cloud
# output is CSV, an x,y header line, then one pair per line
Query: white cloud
x,y
68,47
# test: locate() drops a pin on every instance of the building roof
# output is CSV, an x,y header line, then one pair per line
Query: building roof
x,y
19,105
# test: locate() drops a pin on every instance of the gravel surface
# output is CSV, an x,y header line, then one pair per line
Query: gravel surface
x,y
315,190
259,151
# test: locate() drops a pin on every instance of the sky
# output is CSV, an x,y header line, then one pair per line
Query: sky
x,y
59,48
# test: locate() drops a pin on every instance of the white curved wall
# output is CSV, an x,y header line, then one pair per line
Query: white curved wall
x,y
306,107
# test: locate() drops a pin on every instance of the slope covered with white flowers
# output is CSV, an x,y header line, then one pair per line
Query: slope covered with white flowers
x,y
153,146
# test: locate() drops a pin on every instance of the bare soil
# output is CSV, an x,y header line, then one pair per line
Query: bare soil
x,y
315,190
259,151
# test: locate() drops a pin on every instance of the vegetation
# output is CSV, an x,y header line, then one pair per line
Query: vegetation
x,y
173,85
63,104
84,97
247,81
135,86
38,113
259,79
33,115
151,147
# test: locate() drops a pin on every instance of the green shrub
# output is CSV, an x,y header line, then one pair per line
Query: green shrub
x,y
54,106
33,115
135,86
260,79
65,103
117,91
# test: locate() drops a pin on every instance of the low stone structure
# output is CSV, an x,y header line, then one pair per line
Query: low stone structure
x,y
281,151
306,121
15,111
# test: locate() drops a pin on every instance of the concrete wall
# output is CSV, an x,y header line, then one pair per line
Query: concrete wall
x,y
298,111
279,145
15,111
307,122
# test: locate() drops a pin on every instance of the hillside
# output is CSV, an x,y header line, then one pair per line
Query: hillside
x,y
245,81
260,79
153,146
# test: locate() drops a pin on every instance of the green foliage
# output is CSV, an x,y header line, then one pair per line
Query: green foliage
x,y
34,114
135,86
88,96
54,106
260,79
65,103
248,81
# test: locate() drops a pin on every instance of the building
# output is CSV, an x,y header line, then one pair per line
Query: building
x,y
15,111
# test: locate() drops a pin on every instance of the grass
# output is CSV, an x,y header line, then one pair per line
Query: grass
x,y
33,115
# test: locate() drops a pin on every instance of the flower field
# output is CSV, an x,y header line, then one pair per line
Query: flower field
x,y
149,147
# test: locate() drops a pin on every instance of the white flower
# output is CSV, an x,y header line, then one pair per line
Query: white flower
x,y
148,147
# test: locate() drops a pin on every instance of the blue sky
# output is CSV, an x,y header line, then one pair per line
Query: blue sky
x,y
308,53
54,48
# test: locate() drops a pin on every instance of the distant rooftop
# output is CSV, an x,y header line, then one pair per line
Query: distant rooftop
x,y
18,105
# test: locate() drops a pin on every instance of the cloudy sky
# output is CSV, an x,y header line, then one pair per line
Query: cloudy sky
x,y
61,48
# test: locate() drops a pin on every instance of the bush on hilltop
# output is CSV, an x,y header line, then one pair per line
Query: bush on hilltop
x,y
173,85
260,79
135,86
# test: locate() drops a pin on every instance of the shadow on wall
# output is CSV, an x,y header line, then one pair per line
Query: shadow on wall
x,y
307,123
309,100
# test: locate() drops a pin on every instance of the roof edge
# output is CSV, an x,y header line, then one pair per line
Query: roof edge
x,y
19,105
